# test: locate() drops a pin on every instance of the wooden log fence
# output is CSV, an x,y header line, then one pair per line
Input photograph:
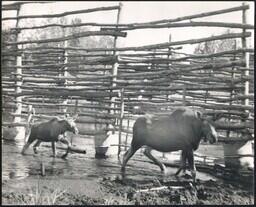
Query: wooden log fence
x,y
190,76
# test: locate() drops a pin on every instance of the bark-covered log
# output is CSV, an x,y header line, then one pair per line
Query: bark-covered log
x,y
185,24
63,14
47,104
221,106
159,46
69,37
194,56
63,94
16,5
233,126
97,61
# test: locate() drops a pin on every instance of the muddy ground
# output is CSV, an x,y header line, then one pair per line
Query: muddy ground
x,y
114,190
84,180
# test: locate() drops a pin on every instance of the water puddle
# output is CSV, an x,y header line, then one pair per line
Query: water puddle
x,y
76,166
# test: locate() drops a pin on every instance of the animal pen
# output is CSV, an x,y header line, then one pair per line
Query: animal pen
x,y
110,87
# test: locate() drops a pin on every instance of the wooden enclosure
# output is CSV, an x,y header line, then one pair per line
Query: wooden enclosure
x,y
115,85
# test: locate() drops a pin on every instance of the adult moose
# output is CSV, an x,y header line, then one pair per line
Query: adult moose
x,y
181,130
50,131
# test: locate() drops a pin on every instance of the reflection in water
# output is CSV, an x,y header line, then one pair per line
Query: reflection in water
x,y
77,166
14,168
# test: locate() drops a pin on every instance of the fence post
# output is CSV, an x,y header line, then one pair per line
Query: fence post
x,y
245,55
74,114
20,130
115,66
121,122
65,73
232,91
168,67
99,148
126,137
245,147
184,95
115,69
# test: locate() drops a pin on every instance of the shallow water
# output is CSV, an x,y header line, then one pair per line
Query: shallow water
x,y
76,166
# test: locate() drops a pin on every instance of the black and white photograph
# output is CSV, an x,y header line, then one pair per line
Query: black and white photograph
x,y
127,102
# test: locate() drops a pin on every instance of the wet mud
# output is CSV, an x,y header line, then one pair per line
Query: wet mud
x,y
156,192
84,180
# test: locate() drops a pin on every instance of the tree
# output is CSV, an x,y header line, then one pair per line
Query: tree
x,y
106,42
215,46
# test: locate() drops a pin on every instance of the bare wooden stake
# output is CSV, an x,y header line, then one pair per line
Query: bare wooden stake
x,y
245,54
115,66
65,73
121,122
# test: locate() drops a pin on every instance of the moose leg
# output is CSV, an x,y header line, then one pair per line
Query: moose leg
x,y
183,159
31,139
129,153
65,141
54,149
36,145
26,146
191,163
147,152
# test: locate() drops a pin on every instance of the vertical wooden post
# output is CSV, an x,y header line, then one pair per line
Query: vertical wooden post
x,y
245,54
210,74
42,166
121,122
115,66
114,73
184,95
17,118
76,107
75,112
168,64
126,137
232,149
232,91
99,140
168,67
65,73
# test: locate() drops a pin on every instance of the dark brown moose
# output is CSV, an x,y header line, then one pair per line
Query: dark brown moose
x,y
51,131
181,130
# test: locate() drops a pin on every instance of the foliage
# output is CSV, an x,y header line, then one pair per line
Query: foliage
x,y
214,46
